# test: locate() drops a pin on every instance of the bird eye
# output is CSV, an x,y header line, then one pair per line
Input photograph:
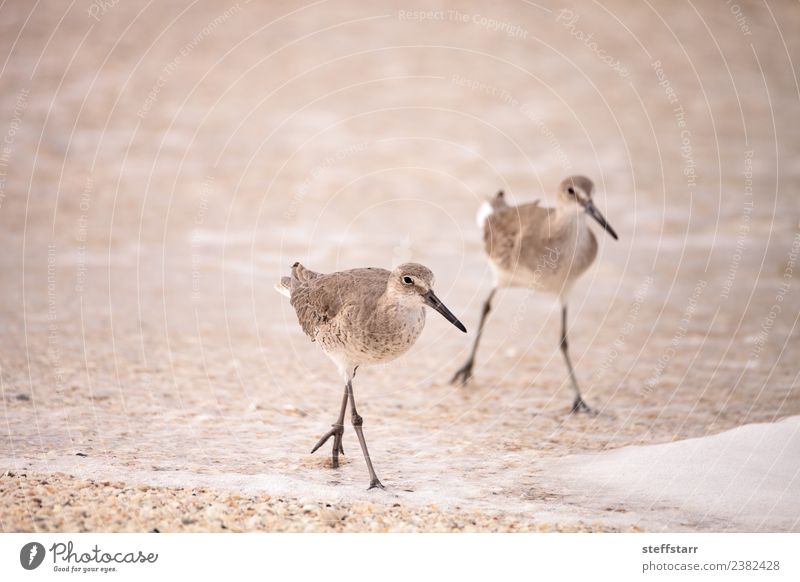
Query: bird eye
x,y
407,280
571,190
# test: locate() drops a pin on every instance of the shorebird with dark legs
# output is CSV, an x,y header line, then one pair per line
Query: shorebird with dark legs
x,y
540,249
361,316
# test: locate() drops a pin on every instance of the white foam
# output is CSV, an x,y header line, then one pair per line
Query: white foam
x,y
747,478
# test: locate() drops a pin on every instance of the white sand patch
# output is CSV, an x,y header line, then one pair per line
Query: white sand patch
x,y
747,478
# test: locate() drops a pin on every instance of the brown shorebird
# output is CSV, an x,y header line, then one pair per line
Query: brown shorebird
x,y
541,249
361,316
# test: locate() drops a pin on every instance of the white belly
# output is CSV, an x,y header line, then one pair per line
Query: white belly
x,y
382,342
555,269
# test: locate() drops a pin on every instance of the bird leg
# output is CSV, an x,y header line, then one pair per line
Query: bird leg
x,y
357,424
578,405
336,432
463,375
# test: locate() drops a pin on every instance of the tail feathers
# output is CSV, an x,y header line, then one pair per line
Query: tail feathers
x,y
284,287
300,273
484,212
489,207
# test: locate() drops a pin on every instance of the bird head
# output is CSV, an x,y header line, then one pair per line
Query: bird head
x,y
575,193
412,283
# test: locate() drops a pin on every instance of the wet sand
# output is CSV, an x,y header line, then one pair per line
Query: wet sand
x,y
165,168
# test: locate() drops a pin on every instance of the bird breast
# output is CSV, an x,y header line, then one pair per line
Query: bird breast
x,y
562,259
546,256
381,335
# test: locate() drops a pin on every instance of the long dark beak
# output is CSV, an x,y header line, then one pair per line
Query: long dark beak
x,y
432,300
592,211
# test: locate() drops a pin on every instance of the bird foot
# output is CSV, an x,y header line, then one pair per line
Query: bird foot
x,y
375,484
336,432
463,375
580,406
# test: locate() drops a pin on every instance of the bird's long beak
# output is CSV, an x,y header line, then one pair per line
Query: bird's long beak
x,y
431,300
592,211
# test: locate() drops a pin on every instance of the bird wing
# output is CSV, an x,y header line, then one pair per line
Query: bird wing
x,y
506,230
320,299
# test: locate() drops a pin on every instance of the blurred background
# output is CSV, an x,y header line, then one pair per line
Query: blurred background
x,y
163,164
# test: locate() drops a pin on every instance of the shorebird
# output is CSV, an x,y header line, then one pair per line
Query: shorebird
x,y
361,316
540,249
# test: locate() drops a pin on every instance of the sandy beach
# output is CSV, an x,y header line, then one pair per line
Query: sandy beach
x,y
163,166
